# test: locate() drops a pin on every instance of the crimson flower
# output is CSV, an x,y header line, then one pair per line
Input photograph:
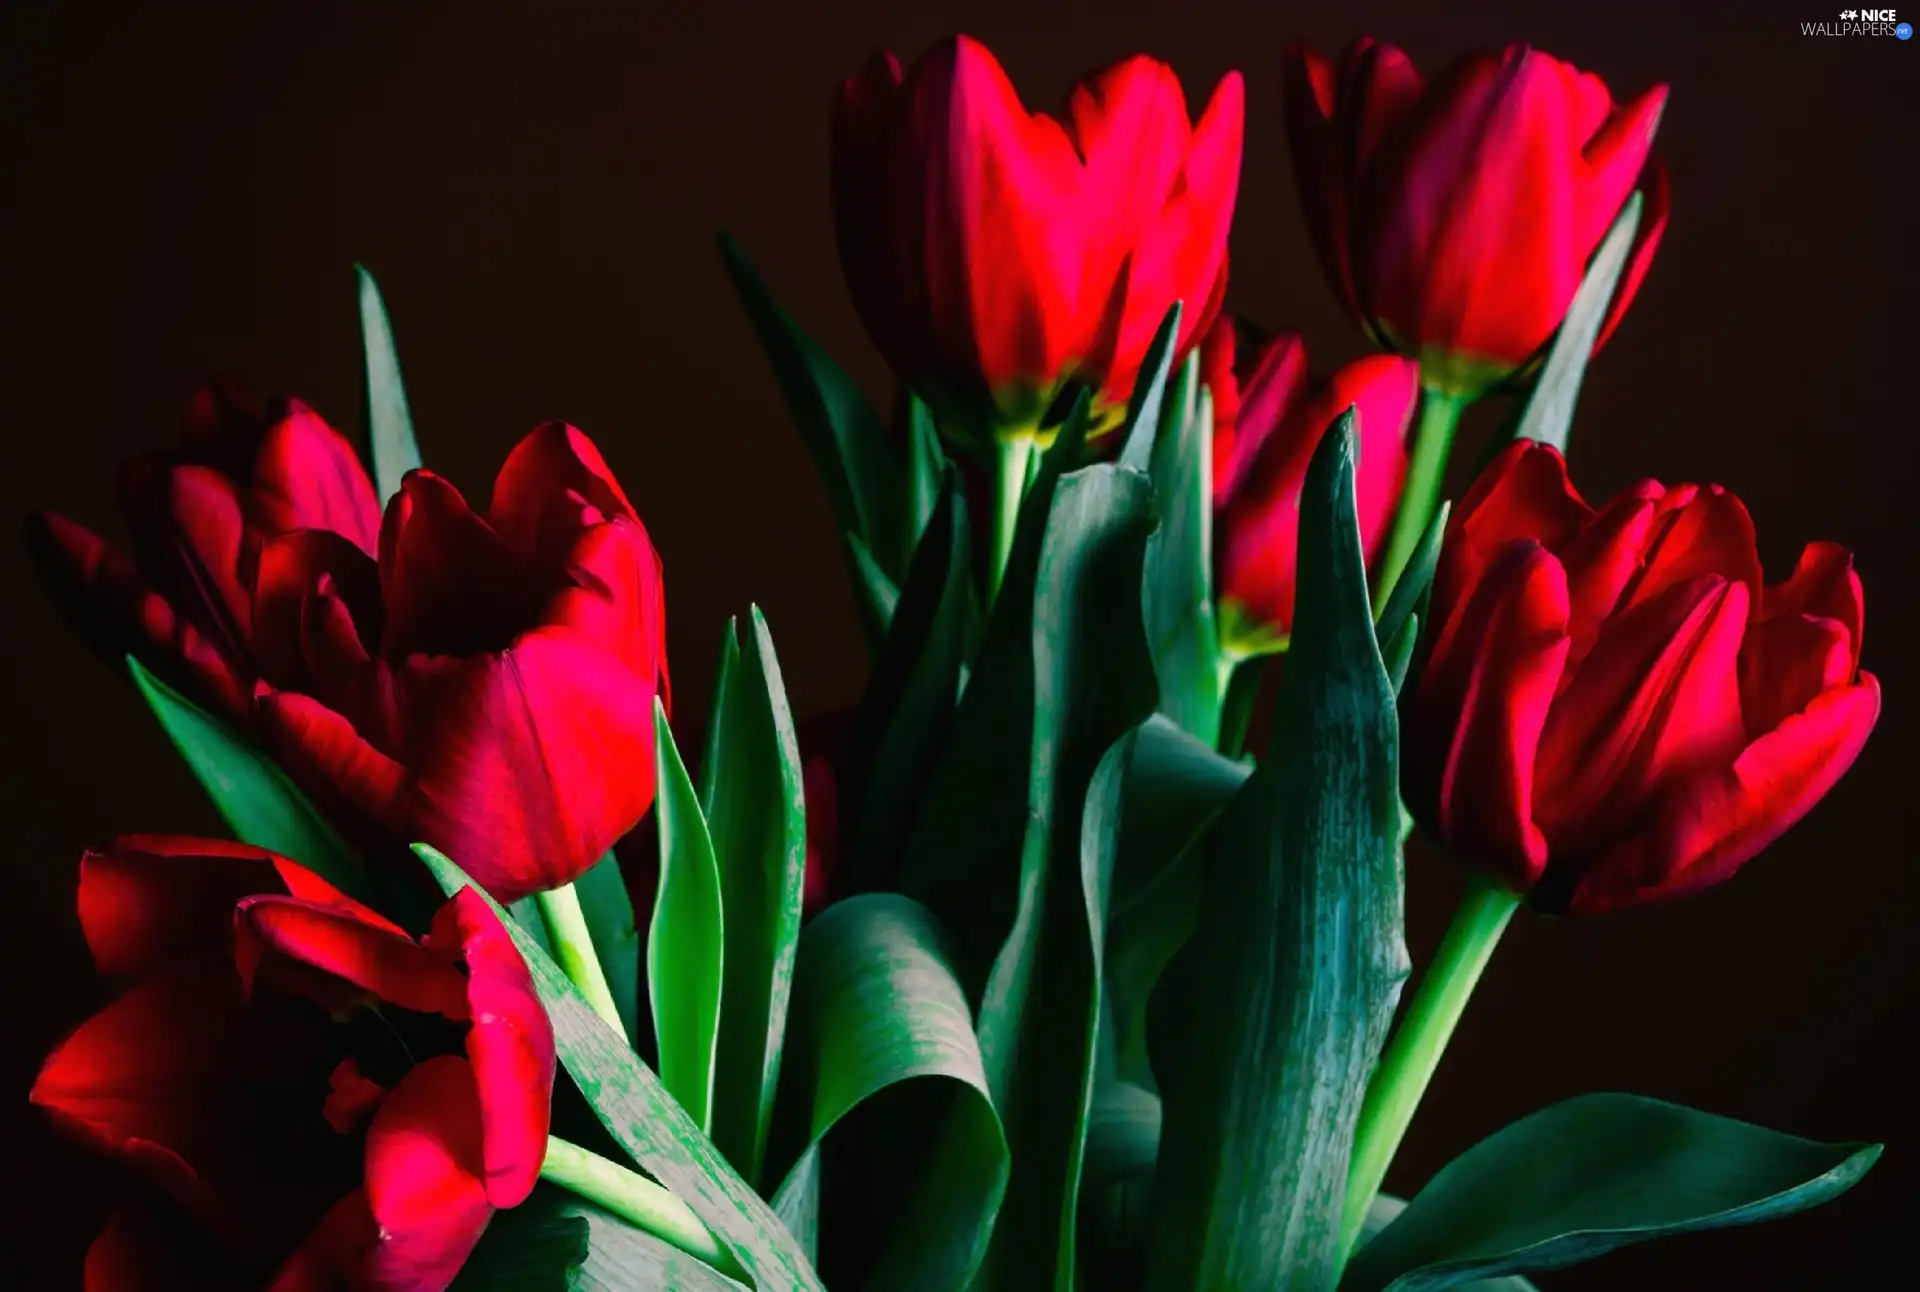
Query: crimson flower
x,y
484,685
1617,709
1455,218
996,255
329,1097
1269,416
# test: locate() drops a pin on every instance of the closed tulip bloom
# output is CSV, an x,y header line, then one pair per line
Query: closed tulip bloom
x,y
1269,415
997,255
332,1099
1617,709
1455,218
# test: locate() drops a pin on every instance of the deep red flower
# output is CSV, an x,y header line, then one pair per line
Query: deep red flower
x,y
1616,709
1455,218
1269,416
483,685
324,1093
824,740
996,254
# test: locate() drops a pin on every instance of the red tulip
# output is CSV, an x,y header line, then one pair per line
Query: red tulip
x,y
1616,709
1456,218
365,1143
1268,417
487,686
199,518
823,746
995,255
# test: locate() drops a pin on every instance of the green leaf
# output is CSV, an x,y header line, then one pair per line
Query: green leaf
x,y
876,1005
685,939
844,436
1597,1172
608,908
1039,1013
1142,428
1123,1134
621,1258
253,796
1273,1015
927,468
757,822
1416,580
1547,415
1399,652
1385,1208
390,439
875,594
712,754
902,722
644,1119
538,1246
1178,591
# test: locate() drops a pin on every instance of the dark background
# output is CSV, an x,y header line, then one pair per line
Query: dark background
x,y
186,188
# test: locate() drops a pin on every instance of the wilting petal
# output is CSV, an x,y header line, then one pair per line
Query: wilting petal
x,y
510,1045
424,1178
449,584
306,476
1710,824
529,764
1476,717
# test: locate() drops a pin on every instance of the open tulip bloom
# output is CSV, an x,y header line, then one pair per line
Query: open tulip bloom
x,y
1021,971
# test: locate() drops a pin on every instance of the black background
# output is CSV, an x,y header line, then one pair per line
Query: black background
x,y
537,187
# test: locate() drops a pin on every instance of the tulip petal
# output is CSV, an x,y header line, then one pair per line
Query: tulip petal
x,y
334,1256
510,1045
1319,170
1523,493
529,764
1824,584
449,584
1615,157
1709,825
537,495
147,901
1786,662
616,596
1700,530
1646,240
329,759
306,476
1272,383
821,793
1602,561
351,1098
152,1248
376,958
292,567
221,424
107,602
190,537
424,1178
1476,718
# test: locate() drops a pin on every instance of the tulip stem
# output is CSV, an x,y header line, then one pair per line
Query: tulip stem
x,y
633,1197
1413,1054
1012,455
1426,476
1240,678
573,951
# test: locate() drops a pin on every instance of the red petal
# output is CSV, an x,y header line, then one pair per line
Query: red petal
x,y
1273,382
1378,92
449,584
1824,584
1658,695
1709,825
1523,493
1474,723
105,600
333,762
306,476
529,764
1699,530
510,1045
292,568
341,945
424,1184
149,900
221,421
334,1256
1786,662
191,539
1602,561
822,795
1319,169
616,596
152,1248
351,1098
538,494
1615,158
1646,241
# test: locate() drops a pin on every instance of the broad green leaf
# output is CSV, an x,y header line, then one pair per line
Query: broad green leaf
x,y
1547,415
556,1242
1178,590
253,796
608,908
875,594
621,1258
1142,428
390,441
1594,1173
902,722
526,913
644,1119
926,469
1039,1013
756,820
1271,1018
963,854
875,1006
685,939
1123,1133
1383,1211
843,434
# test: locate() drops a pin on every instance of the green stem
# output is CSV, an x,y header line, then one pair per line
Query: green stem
x,y
573,950
1240,678
1426,475
1012,454
633,1197
1414,1052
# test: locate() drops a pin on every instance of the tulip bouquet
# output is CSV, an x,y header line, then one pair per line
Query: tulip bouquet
x,y
1024,972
